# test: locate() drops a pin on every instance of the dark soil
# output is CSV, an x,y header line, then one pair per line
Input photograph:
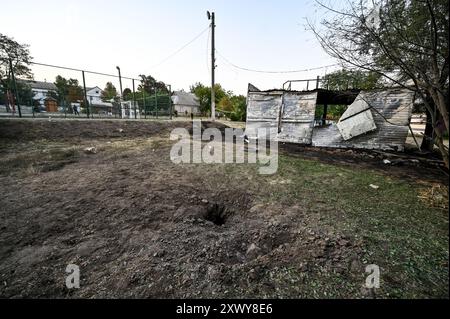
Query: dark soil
x,y
139,225
407,165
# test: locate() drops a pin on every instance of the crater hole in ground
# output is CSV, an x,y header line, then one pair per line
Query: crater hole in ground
x,y
217,213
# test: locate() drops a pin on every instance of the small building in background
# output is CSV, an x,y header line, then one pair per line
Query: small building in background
x,y
94,95
185,103
97,105
42,91
130,110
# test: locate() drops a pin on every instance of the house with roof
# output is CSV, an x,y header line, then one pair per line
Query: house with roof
x,y
42,91
94,97
185,103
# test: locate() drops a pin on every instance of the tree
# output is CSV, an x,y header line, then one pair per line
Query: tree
x,y
75,91
150,85
405,42
62,88
24,92
127,94
225,104
203,93
109,93
346,79
239,103
17,55
351,79
68,91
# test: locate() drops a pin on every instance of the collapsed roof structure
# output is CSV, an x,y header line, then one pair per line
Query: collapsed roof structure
x,y
375,119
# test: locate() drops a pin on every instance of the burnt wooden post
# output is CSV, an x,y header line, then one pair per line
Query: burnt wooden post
x,y
324,115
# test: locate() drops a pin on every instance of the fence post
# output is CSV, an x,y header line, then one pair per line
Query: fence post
x,y
65,107
32,106
134,101
145,108
156,103
85,95
324,115
15,87
170,100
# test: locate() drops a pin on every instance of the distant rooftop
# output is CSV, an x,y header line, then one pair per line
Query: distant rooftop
x,y
39,85
185,98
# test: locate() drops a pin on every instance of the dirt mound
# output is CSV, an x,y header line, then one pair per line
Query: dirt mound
x,y
31,129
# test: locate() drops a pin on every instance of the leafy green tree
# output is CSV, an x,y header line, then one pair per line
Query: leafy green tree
x,y
62,88
68,91
351,79
75,91
346,79
405,42
109,93
225,104
24,92
19,55
239,103
203,93
127,94
150,85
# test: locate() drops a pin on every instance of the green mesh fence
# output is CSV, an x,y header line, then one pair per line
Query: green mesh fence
x,y
158,105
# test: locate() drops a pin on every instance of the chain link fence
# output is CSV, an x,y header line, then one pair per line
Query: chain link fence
x,y
76,93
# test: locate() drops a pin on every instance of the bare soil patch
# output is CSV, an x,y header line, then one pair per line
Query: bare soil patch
x,y
139,225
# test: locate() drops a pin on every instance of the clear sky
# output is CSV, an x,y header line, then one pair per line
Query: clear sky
x,y
138,35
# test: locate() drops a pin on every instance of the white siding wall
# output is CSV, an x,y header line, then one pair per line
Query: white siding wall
x,y
94,96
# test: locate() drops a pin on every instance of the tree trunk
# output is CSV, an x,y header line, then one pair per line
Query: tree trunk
x,y
442,107
443,149
441,104
440,142
428,138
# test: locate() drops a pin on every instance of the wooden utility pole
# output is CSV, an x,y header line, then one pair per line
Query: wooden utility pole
x,y
211,17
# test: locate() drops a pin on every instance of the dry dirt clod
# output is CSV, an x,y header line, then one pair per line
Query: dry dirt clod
x,y
253,251
90,150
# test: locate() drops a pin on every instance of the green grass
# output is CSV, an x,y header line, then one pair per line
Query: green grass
x,y
407,239
400,233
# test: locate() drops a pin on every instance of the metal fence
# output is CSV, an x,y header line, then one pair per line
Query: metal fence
x,y
84,96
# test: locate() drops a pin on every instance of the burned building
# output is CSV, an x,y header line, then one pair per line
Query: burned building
x,y
375,119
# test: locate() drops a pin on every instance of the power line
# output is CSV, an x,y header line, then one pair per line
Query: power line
x,y
262,71
79,70
180,49
124,77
